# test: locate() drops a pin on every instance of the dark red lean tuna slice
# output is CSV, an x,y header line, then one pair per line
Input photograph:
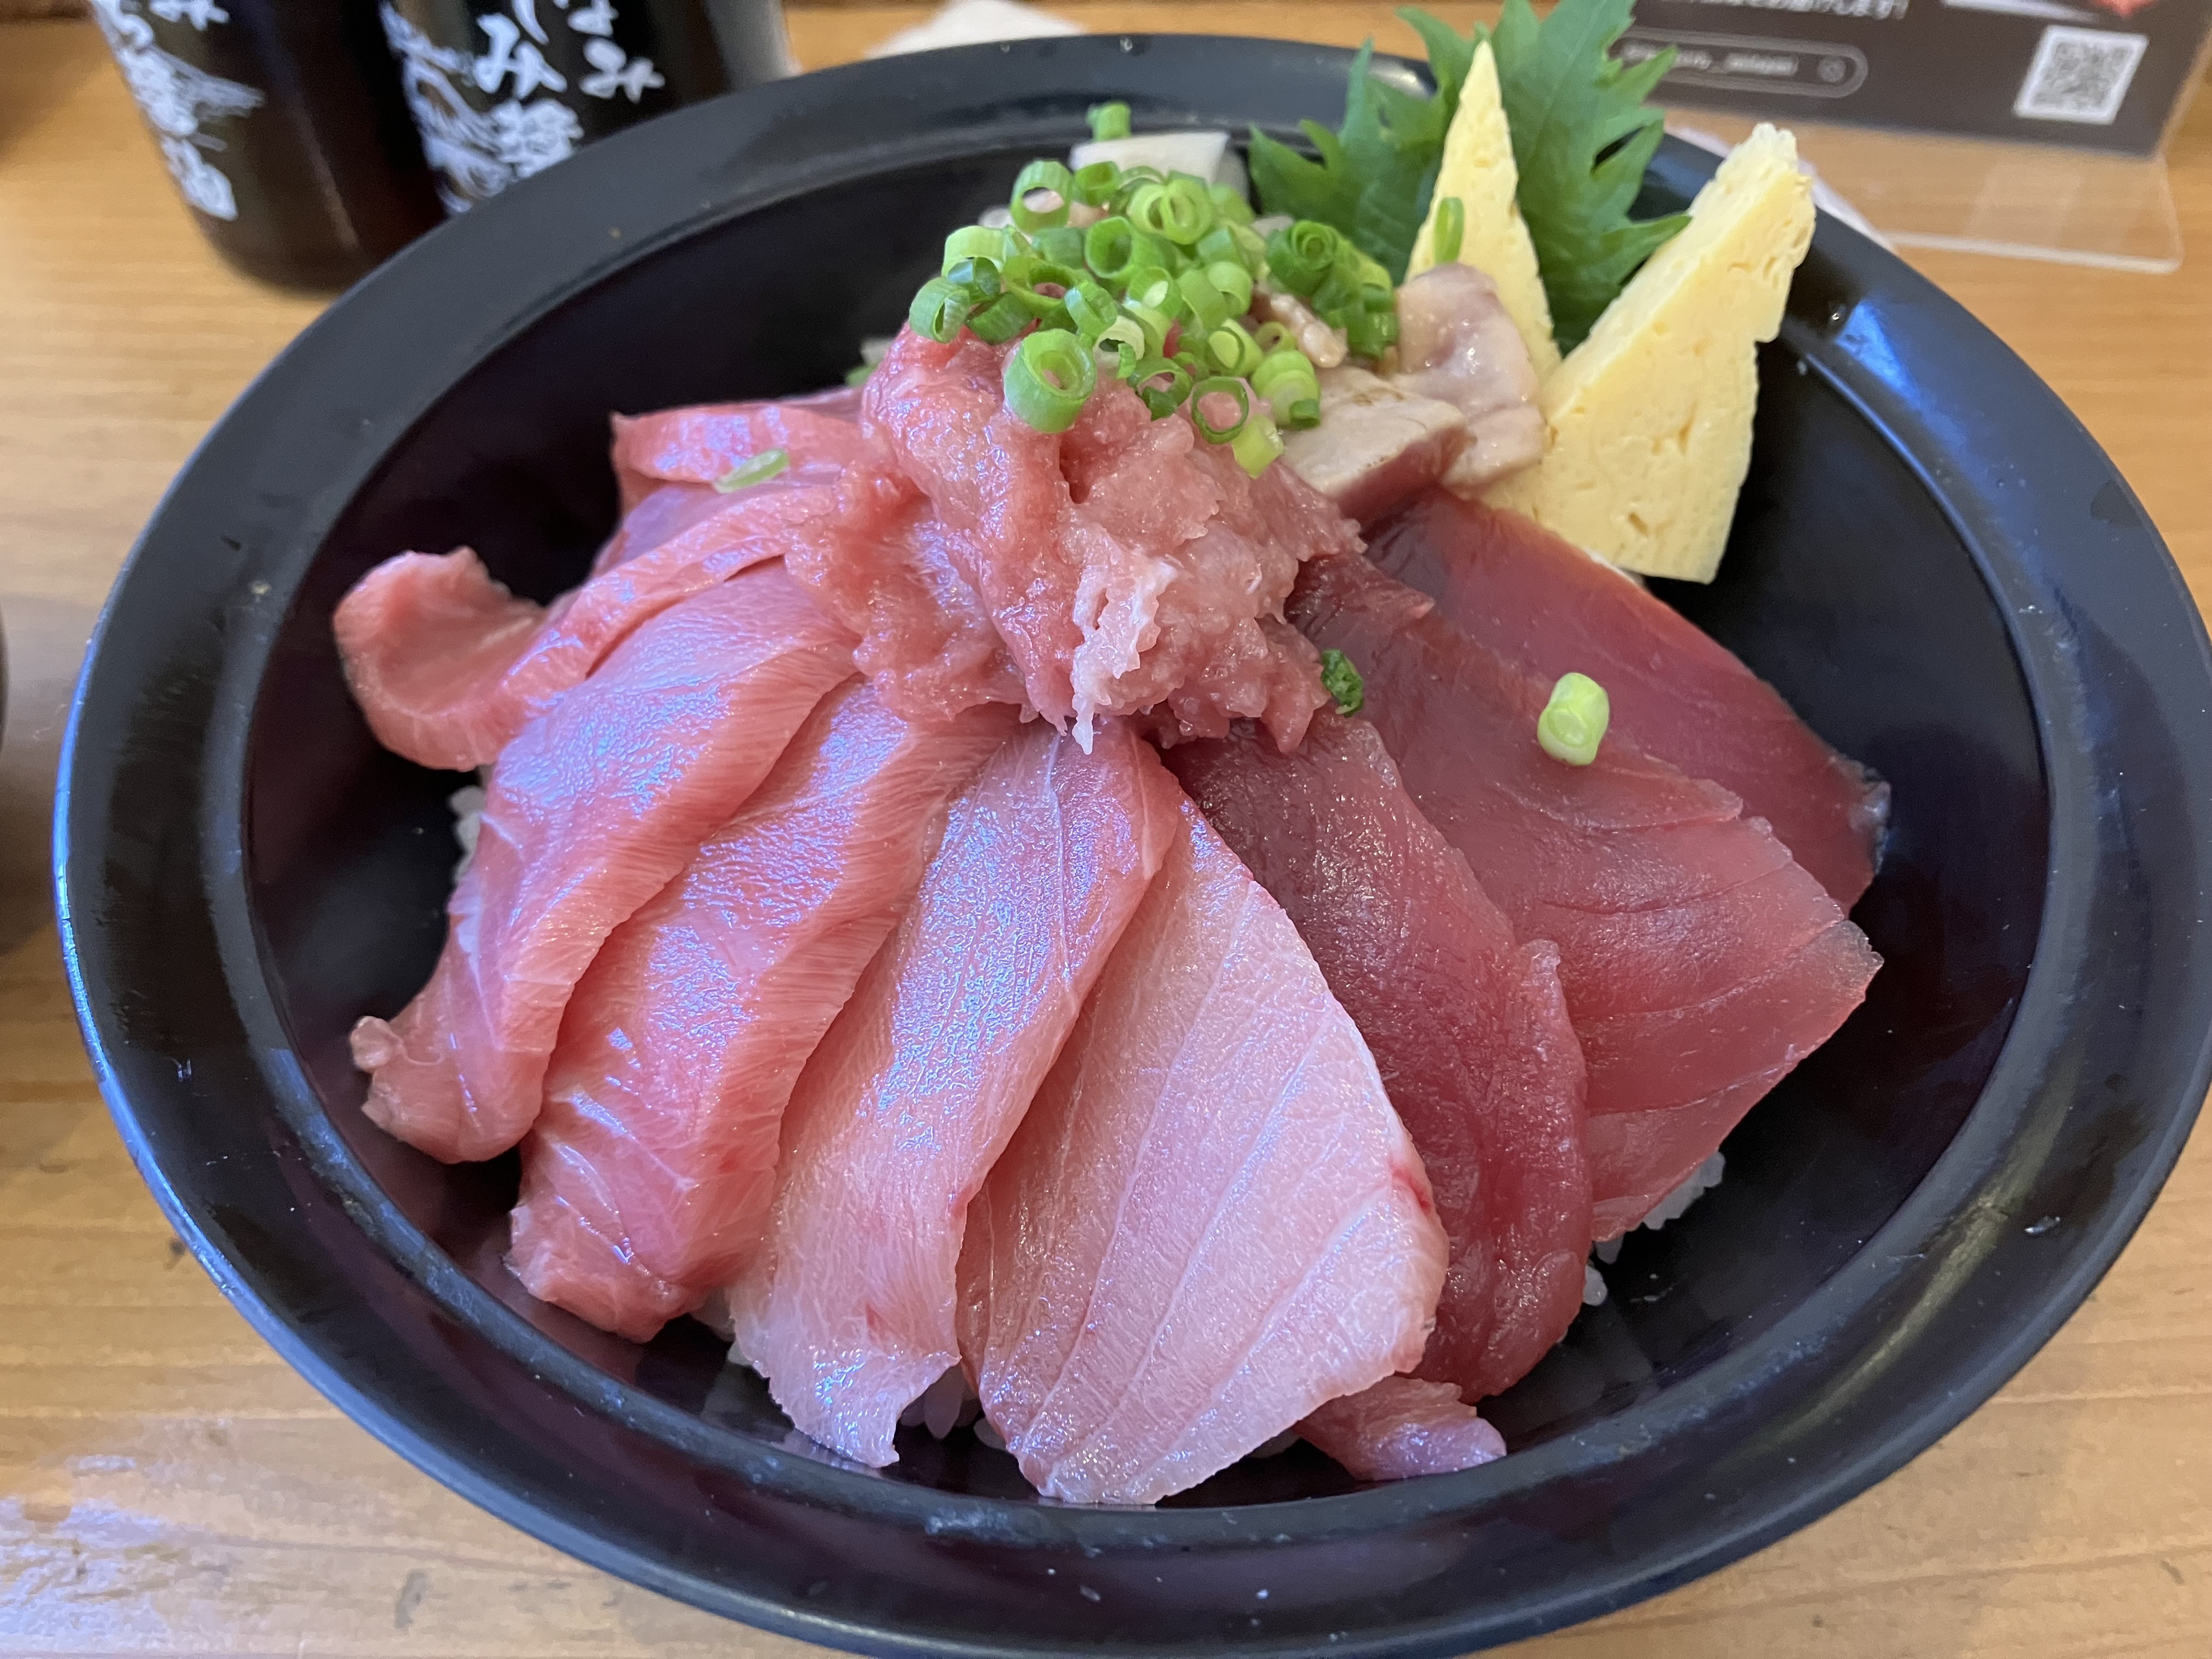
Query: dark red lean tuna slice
x,y
1469,1028
1677,693
593,809
647,1181
1401,1427
1700,962
847,1309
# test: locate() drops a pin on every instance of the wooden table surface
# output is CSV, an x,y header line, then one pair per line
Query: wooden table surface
x,y
168,1485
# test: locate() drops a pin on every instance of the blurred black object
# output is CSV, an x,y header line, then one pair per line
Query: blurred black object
x,y
282,124
503,89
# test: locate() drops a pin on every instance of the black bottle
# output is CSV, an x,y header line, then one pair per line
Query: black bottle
x,y
504,88
282,124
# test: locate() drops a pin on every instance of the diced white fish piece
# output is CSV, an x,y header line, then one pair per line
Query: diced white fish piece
x,y
1457,343
1377,445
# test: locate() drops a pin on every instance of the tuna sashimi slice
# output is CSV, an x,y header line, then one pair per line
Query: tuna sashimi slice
x,y
702,442
1210,1222
1699,962
1677,692
420,636
1468,1028
910,1099
1401,1428
647,1180
593,808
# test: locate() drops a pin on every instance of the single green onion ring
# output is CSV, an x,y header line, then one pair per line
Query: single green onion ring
x,y
979,275
974,242
1108,121
759,470
1125,342
1178,212
1220,386
1229,205
1092,310
1028,275
1048,377
1161,400
1301,255
1156,325
1232,350
1203,299
1095,184
1342,681
1043,176
1287,381
1062,244
1232,279
1274,338
1451,230
1573,722
1256,443
1000,320
939,309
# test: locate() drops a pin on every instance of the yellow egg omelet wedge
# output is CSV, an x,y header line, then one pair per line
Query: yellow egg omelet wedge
x,y
1649,420
1478,168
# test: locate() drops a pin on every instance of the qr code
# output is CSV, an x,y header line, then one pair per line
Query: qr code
x,y
2079,75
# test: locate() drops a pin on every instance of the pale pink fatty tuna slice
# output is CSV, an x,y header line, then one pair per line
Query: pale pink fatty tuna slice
x,y
1402,1427
593,809
909,1100
420,636
1677,692
702,443
645,1183
1468,1028
1210,1222
1123,565
1700,962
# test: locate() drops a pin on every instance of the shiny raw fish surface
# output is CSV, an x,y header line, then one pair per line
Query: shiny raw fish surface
x,y
1468,1028
1700,962
647,1180
847,1310
1211,1221
1677,692
592,809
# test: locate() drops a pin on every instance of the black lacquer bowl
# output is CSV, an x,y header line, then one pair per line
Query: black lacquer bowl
x,y
1933,560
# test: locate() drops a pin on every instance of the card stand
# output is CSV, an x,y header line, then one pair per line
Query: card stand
x,y
1979,196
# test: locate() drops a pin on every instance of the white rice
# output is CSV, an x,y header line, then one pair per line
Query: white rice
x,y
467,804
1702,1180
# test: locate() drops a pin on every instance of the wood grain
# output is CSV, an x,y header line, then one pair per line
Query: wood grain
x,y
168,1485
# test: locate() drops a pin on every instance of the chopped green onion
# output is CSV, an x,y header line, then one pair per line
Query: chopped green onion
x,y
1573,722
1161,400
1232,350
1233,280
1062,245
1125,341
858,374
939,309
1229,205
1301,256
1157,291
1046,177
1155,323
1342,681
1095,185
976,242
1256,443
1220,386
1234,243
1000,320
1179,210
1112,248
979,277
1370,333
1206,301
1092,310
1026,274
1286,380
1451,230
759,470
1048,377
1108,121
1275,336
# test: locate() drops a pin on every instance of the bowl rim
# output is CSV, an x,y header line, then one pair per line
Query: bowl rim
x,y
472,268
